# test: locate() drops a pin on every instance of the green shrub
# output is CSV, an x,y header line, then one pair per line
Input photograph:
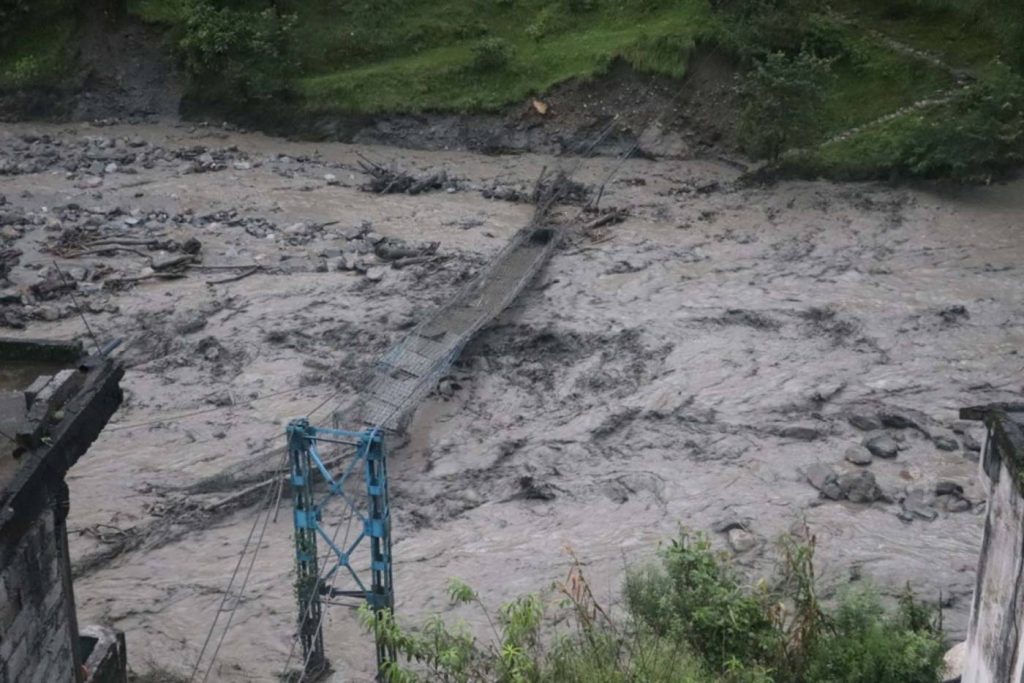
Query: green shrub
x,y
826,39
695,597
866,645
753,28
1006,19
492,54
243,53
691,620
781,100
24,71
781,633
979,134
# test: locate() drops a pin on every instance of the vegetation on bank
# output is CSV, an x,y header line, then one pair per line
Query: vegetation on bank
x,y
455,55
816,77
688,619
36,38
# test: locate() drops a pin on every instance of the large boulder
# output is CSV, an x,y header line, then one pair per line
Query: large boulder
x,y
860,487
882,446
824,478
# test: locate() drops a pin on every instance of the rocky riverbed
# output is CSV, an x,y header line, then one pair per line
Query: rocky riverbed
x,y
736,360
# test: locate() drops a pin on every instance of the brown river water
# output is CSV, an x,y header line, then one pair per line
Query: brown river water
x,y
651,378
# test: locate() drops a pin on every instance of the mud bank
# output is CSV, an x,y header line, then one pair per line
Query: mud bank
x,y
620,111
688,366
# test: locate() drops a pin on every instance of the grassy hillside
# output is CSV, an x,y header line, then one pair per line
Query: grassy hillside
x,y
893,66
417,55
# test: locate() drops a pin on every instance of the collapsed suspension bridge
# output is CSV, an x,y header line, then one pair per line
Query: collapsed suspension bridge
x,y
398,382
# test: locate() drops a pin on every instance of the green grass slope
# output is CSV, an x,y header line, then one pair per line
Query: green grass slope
x,y
410,56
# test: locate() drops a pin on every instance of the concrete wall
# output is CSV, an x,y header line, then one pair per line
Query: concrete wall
x,y
995,641
54,421
108,660
38,638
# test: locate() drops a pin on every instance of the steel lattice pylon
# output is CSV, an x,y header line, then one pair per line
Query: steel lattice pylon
x,y
389,394
312,585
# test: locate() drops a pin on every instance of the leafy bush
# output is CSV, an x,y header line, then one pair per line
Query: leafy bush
x,y
753,28
691,620
826,39
781,98
247,53
782,633
492,54
596,650
981,132
24,71
865,644
1006,19
695,597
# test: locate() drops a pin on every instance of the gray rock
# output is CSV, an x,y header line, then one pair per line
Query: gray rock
x,y
947,487
823,478
953,663
375,274
49,313
882,446
865,423
916,506
858,455
799,433
193,323
330,179
296,230
241,165
827,391
970,443
956,504
110,168
742,540
350,261
897,421
860,487
727,524
944,443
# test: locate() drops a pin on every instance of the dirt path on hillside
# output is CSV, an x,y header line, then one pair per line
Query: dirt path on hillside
x,y
688,366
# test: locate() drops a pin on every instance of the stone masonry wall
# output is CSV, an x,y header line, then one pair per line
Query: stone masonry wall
x,y
995,639
36,603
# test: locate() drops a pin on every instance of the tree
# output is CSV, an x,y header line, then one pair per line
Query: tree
x,y
782,97
238,52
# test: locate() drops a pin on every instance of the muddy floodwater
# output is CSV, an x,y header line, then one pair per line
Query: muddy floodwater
x,y
685,367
